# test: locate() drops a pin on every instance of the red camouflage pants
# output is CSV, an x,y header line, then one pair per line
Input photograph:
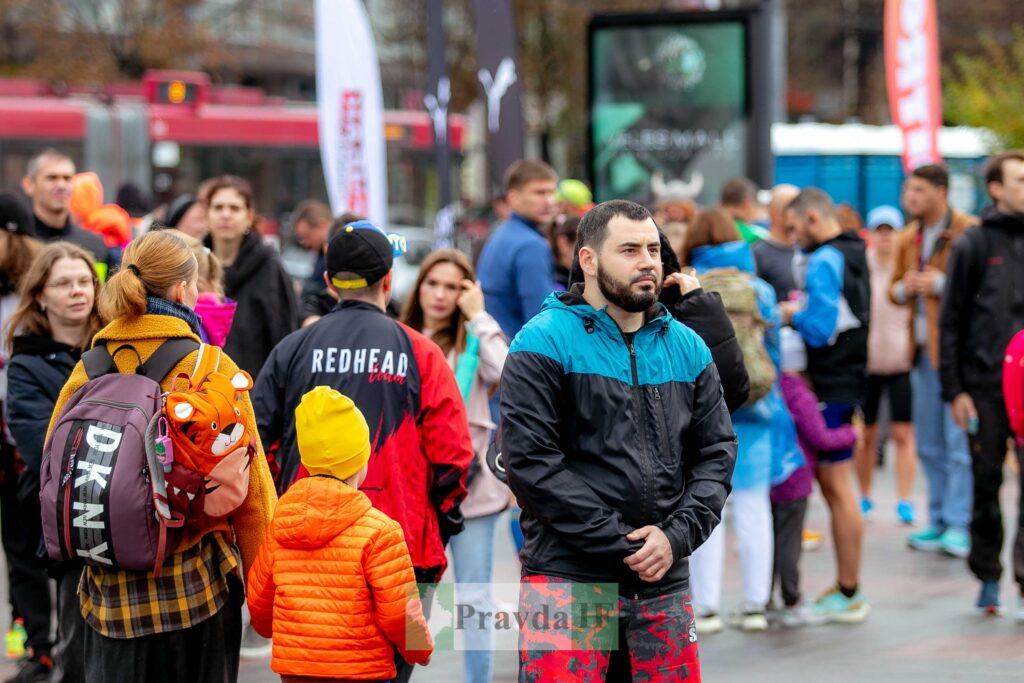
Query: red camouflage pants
x,y
659,633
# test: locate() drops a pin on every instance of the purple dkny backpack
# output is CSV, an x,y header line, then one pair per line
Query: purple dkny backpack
x,y
102,491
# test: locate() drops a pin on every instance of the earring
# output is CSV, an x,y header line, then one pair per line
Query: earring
x,y
42,307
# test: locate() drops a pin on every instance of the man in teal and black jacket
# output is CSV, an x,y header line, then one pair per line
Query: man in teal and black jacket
x,y
619,447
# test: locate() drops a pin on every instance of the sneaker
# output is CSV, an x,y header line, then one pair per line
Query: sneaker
x,y
926,539
254,646
834,606
800,615
34,670
14,641
811,540
866,506
1019,617
749,618
955,542
708,623
905,511
988,599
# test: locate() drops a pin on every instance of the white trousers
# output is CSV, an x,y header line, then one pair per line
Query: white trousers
x,y
751,517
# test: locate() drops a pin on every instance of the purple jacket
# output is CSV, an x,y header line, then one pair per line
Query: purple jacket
x,y
813,434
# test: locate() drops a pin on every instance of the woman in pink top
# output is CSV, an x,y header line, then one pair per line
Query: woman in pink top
x,y
889,362
447,305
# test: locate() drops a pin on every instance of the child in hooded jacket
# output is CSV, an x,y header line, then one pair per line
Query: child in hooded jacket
x,y
789,498
333,584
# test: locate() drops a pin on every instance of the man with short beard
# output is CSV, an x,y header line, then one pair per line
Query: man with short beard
x,y
619,447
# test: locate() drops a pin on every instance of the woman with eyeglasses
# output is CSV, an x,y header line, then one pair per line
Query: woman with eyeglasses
x,y
55,320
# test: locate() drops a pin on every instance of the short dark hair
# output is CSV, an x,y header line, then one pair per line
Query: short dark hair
x,y
994,168
737,192
311,211
593,228
812,198
936,174
526,171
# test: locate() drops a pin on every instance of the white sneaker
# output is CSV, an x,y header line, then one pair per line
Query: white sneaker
x,y
800,615
1020,610
749,618
708,623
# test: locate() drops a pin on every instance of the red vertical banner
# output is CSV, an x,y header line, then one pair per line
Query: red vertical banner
x,y
912,77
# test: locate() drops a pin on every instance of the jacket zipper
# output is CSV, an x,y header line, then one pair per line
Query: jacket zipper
x,y
644,442
663,423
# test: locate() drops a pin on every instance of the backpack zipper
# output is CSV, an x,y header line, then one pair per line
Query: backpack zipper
x,y
65,480
113,404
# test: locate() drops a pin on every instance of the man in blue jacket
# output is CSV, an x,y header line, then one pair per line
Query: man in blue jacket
x,y
516,268
619,447
833,321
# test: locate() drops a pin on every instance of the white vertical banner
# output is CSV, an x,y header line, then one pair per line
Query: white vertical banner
x,y
351,110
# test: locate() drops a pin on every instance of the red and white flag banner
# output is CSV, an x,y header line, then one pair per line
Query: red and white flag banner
x,y
912,77
351,110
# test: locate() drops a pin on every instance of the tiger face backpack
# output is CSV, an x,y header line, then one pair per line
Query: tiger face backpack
x,y
210,447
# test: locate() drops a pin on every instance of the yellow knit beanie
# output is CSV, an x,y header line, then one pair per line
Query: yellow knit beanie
x,y
332,434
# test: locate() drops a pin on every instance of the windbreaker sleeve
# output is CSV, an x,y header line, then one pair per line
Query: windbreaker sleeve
x,y
444,434
531,387
269,397
704,313
954,315
817,321
709,455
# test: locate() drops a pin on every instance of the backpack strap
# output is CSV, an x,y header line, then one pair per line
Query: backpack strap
x,y
207,361
166,357
97,362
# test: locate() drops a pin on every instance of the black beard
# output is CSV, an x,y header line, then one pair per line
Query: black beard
x,y
620,294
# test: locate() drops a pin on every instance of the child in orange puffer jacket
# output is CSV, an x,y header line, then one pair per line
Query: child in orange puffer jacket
x,y
333,583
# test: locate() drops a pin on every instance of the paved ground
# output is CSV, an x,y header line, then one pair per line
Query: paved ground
x,y
922,626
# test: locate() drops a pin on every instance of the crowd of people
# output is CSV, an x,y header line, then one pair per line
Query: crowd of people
x,y
616,380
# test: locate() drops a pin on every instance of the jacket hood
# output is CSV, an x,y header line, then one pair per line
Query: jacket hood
x,y
216,316
992,217
854,251
315,510
727,255
572,302
40,345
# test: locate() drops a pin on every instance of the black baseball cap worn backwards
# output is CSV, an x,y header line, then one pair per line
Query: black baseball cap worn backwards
x,y
364,249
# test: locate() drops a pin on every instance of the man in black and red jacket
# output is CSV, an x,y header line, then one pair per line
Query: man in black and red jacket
x,y
399,379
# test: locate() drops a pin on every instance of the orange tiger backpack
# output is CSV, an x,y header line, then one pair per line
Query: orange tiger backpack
x,y
211,447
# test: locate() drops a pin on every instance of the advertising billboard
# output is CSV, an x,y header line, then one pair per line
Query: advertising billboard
x,y
670,104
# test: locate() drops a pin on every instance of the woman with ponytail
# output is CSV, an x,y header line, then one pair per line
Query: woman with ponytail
x,y
185,624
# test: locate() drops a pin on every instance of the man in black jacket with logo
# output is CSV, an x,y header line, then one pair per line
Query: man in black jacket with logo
x,y
982,309
619,446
